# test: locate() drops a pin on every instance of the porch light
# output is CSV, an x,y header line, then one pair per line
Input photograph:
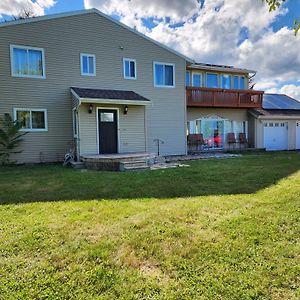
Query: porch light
x,y
90,108
125,110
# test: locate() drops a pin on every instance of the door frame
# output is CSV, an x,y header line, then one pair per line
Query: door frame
x,y
98,129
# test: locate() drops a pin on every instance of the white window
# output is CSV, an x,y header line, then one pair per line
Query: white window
x,y
226,81
196,79
27,61
187,78
31,119
129,68
239,82
164,74
88,64
212,80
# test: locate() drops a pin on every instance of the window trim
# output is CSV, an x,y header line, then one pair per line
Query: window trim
x,y
81,64
125,59
30,110
13,74
218,79
154,75
201,80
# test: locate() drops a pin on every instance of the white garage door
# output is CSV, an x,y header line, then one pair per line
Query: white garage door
x,y
298,135
276,135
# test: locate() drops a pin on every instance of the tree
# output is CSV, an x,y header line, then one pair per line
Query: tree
x,y
10,138
275,4
23,14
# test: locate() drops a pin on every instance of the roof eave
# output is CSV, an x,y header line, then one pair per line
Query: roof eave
x,y
114,101
229,70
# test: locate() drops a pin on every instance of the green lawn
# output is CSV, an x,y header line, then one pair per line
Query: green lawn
x,y
220,229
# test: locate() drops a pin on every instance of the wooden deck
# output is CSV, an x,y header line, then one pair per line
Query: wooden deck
x,y
118,161
215,97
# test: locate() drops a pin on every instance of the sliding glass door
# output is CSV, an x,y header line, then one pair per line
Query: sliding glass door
x,y
213,133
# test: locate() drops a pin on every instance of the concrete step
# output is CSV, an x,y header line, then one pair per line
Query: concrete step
x,y
77,165
136,168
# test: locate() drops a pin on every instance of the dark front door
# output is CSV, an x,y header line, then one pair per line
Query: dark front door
x,y
108,131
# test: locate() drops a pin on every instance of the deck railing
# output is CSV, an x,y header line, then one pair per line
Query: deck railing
x,y
216,97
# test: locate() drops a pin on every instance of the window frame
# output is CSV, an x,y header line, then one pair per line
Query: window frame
x,y
154,75
246,87
81,64
218,80
201,79
13,74
30,110
126,59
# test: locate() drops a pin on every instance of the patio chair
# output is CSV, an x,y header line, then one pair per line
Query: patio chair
x,y
195,140
242,140
231,139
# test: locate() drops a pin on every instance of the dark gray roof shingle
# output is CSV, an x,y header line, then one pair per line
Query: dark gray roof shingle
x,y
108,94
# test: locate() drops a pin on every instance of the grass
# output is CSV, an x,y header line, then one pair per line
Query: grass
x,y
220,229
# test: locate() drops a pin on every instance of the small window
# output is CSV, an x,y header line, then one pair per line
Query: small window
x,y
107,117
129,67
187,78
276,124
239,82
270,124
88,64
164,75
31,119
27,62
212,80
197,79
226,81
266,124
282,124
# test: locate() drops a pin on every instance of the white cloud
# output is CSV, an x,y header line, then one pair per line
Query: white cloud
x,y
213,34
177,10
14,7
291,90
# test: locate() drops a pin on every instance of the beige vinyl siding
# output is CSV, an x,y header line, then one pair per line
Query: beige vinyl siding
x,y
131,129
63,39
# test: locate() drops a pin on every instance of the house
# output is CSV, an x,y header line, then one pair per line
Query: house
x,y
85,80
276,126
218,101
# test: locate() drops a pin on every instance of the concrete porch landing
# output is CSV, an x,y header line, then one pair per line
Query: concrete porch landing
x,y
119,161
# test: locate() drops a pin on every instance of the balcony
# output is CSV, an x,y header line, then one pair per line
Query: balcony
x,y
215,97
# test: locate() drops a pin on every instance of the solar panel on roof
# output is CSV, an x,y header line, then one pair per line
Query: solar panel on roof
x,y
278,101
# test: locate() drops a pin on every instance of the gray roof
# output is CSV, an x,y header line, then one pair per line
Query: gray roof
x,y
280,102
108,94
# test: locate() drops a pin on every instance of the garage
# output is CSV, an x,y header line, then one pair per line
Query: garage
x,y
275,126
276,135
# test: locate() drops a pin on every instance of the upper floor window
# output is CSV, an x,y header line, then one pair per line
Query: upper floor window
x,y
197,79
129,67
239,82
27,61
226,81
31,119
187,78
88,64
212,80
164,75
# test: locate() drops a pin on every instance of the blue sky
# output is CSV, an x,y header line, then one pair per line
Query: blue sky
x,y
235,32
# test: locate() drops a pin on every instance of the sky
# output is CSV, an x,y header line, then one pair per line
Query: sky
x,y
240,33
